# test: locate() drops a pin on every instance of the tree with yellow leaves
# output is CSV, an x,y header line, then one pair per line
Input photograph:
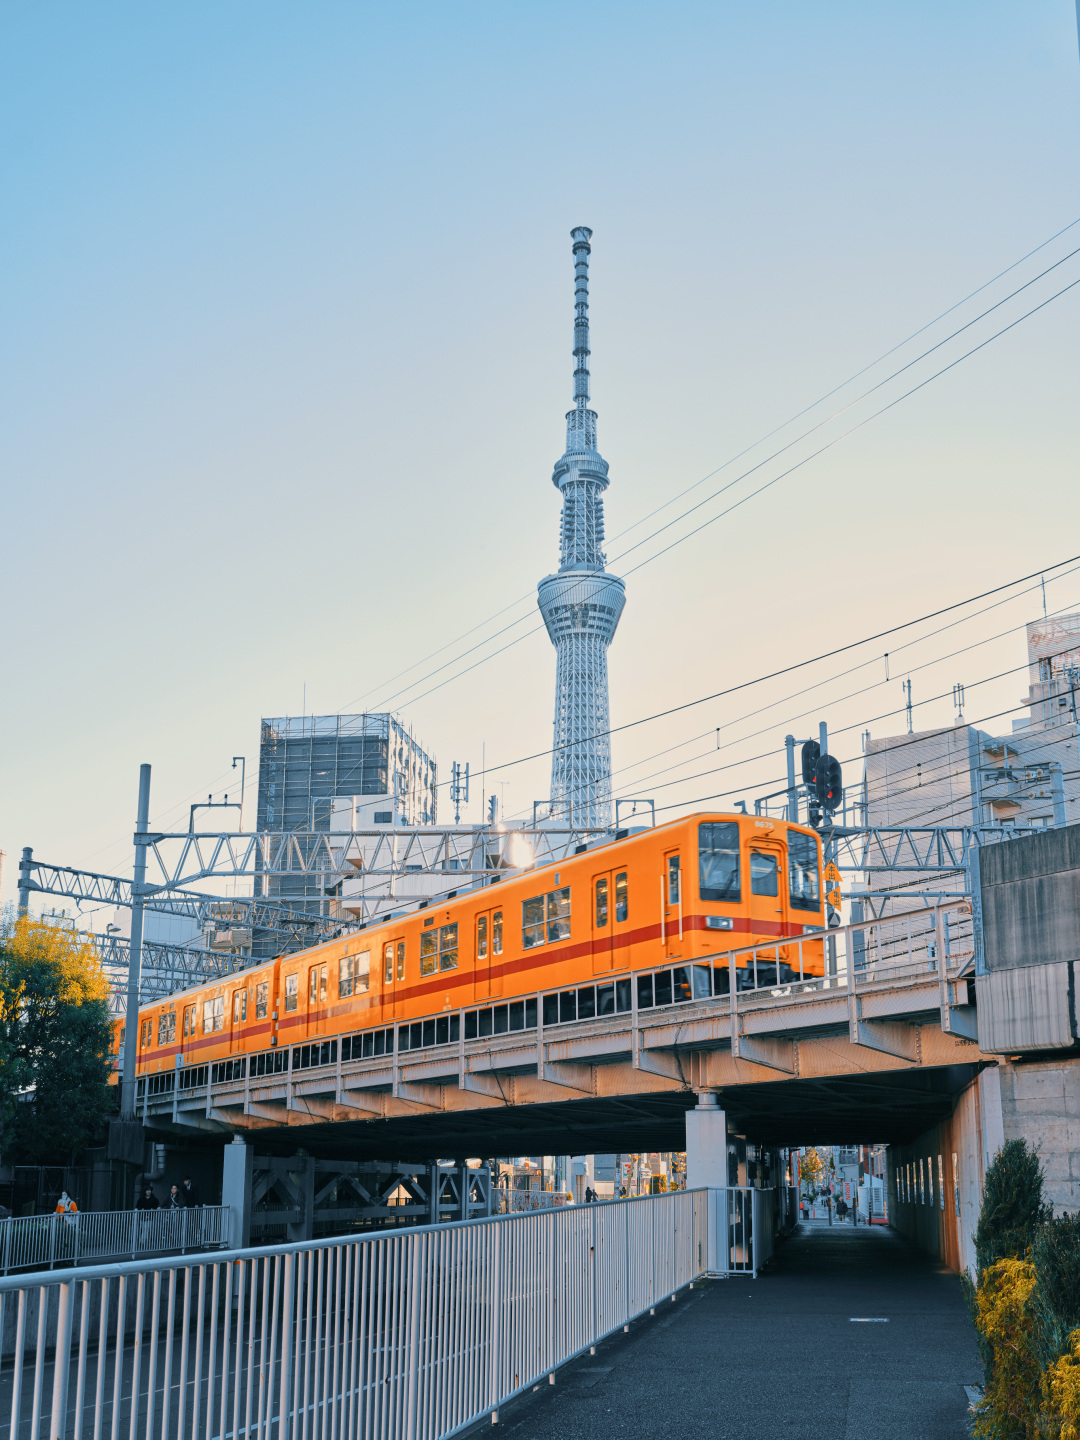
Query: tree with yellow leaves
x,y
54,1044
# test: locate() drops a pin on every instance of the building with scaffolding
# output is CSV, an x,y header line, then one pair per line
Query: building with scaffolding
x,y
311,763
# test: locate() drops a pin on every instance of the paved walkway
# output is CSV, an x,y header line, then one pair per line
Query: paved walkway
x,y
741,1359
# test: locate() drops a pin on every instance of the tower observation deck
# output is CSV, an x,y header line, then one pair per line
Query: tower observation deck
x,y
582,603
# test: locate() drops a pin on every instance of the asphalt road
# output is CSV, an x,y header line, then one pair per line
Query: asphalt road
x,y
788,1354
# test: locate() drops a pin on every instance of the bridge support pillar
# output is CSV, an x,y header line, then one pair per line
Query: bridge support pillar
x,y
707,1168
236,1191
304,1179
706,1144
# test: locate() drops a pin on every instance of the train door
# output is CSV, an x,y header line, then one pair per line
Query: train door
x,y
767,901
603,924
488,950
240,1002
671,903
318,982
623,919
393,977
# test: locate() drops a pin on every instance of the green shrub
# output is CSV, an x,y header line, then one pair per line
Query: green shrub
x,y
1012,1207
1055,1254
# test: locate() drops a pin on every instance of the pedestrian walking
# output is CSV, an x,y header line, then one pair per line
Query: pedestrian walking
x,y
175,1200
148,1200
189,1194
66,1206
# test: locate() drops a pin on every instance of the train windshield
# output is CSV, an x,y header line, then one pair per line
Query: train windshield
x,y
803,871
718,862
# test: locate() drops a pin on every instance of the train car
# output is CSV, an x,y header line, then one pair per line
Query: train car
x,y
667,901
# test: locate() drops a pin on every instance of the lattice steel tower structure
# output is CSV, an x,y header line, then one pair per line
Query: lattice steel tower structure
x,y
581,605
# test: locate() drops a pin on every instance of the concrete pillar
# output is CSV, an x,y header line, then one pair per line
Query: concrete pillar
x,y
706,1144
236,1191
707,1168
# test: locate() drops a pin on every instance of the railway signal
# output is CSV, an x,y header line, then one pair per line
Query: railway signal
x,y
811,753
828,783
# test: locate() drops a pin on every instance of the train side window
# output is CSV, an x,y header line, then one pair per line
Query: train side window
x,y
673,880
496,933
622,897
401,959
718,861
448,947
601,902
764,874
429,952
388,964
213,1015
322,984
166,1028
189,1020
346,968
362,972
558,914
803,880
239,1007
481,937
262,999
291,987
532,922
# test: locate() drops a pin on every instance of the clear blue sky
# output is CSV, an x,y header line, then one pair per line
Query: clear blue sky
x,y
285,338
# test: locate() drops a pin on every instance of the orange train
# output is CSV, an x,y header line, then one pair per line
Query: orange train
x,y
649,908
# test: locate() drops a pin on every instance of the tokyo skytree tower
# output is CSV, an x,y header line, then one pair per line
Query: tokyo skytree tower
x,y
581,604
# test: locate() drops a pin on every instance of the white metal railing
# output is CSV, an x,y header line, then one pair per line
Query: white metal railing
x,y
405,1336
43,1242
516,1202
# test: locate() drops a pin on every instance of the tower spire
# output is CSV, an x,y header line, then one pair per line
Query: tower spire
x,y
582,603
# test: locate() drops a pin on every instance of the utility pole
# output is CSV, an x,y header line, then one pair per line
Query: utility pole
x,y
25,866
792,787
138,887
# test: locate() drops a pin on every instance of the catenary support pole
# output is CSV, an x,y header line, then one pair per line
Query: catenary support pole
x,y
792,788
25,866
138,885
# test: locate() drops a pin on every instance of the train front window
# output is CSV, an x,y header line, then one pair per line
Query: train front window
x,y
803,882
601,902
764,874
718,862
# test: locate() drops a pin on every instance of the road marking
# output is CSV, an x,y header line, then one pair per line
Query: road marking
x,y
869,1320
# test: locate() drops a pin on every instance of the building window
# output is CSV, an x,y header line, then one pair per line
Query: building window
x,y
622,898
262,999
166,1028
439,949
803,882
601,902
239,1007
291,987
718,862
673,880
213,1015
496,933
545,918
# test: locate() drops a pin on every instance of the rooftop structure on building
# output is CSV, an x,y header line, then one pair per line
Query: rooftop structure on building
x,y
309,763
581,603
